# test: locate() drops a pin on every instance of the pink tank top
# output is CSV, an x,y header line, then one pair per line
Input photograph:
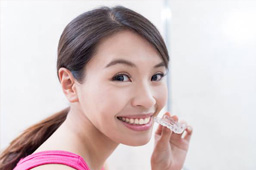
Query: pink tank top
x,y
52,157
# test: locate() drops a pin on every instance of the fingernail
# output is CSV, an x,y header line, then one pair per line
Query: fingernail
x,y
189,128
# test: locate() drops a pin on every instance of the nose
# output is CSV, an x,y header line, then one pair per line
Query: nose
x,y
144,97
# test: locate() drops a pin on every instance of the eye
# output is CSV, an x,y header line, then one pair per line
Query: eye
x,y
157,77
121,77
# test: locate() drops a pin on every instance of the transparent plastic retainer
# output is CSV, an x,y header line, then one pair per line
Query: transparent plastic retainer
x,y
171,124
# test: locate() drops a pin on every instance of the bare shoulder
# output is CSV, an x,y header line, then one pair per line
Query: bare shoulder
x,y
53,167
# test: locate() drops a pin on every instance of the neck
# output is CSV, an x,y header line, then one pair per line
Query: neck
x,y
91,144
78,135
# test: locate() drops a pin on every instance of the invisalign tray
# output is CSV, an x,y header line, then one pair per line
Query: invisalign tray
x,y
171,124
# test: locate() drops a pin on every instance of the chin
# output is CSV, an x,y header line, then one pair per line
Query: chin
x,y
139,141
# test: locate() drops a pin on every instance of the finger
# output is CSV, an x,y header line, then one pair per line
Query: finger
x,y
176,136
166,135
159,130
175,118
168,114
188,134
160,127
183,134
162,144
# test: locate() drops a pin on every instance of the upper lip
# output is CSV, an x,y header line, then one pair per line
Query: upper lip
x,y
138,116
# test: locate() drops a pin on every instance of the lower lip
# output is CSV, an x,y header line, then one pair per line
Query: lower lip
x,y
138,127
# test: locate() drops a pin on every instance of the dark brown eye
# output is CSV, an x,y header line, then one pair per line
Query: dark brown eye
x,y
157,77
121,77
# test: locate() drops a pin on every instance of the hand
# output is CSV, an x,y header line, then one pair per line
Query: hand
x,y
170,149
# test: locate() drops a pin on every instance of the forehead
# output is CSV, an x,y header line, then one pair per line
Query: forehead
x,y
126,45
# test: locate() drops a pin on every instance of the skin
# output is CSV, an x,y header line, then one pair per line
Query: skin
x,y
92,128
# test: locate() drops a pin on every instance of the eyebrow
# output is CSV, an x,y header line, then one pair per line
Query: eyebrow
x,y
130,64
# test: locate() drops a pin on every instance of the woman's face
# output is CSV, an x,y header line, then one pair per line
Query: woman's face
x,y
124,88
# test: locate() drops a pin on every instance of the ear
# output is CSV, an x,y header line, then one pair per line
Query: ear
x,y
68,84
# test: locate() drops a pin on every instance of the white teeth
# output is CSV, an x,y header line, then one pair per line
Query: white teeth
x,y
127,120
147,120
136,121
131,121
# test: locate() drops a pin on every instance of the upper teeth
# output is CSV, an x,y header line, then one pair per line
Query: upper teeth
x,y
136,121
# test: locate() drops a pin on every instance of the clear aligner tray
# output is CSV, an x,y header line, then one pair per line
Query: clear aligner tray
x,y
169,122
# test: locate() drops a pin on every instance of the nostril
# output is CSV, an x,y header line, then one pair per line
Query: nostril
x,y
144,101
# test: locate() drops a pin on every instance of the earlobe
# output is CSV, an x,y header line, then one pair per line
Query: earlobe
x,y
68,84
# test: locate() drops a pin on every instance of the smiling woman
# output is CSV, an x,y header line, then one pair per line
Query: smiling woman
x,y
111,64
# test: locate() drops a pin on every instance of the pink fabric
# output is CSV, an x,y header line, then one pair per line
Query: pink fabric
x,y
52,157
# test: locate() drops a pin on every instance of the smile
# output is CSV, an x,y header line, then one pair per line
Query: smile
x,y
135,121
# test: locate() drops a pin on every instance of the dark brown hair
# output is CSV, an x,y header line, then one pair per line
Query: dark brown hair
x,y
77,45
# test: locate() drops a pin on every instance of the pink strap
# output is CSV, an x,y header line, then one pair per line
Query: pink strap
x,y
52,157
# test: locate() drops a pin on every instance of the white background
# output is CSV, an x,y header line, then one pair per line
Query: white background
x,y
213,74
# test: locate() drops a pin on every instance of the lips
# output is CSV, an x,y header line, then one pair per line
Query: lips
x,y
137,123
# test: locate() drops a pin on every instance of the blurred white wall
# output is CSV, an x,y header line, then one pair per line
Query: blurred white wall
x,y
213,74
213,80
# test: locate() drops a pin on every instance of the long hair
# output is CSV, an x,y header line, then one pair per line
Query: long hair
x,y
77,46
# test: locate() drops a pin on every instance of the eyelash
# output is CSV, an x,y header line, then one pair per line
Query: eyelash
x,y
115,78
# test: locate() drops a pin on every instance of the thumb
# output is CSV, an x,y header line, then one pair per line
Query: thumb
x,y
166,135
163,142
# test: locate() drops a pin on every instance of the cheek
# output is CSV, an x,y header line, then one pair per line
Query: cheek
x,y
104,103
161,95
111,98
110,102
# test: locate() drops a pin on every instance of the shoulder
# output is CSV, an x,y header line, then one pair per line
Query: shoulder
x,y
52,160
53,167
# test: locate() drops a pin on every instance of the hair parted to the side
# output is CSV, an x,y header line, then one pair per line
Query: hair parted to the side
x,y
77,45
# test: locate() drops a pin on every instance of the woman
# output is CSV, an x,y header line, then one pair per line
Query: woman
x,y
111,66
